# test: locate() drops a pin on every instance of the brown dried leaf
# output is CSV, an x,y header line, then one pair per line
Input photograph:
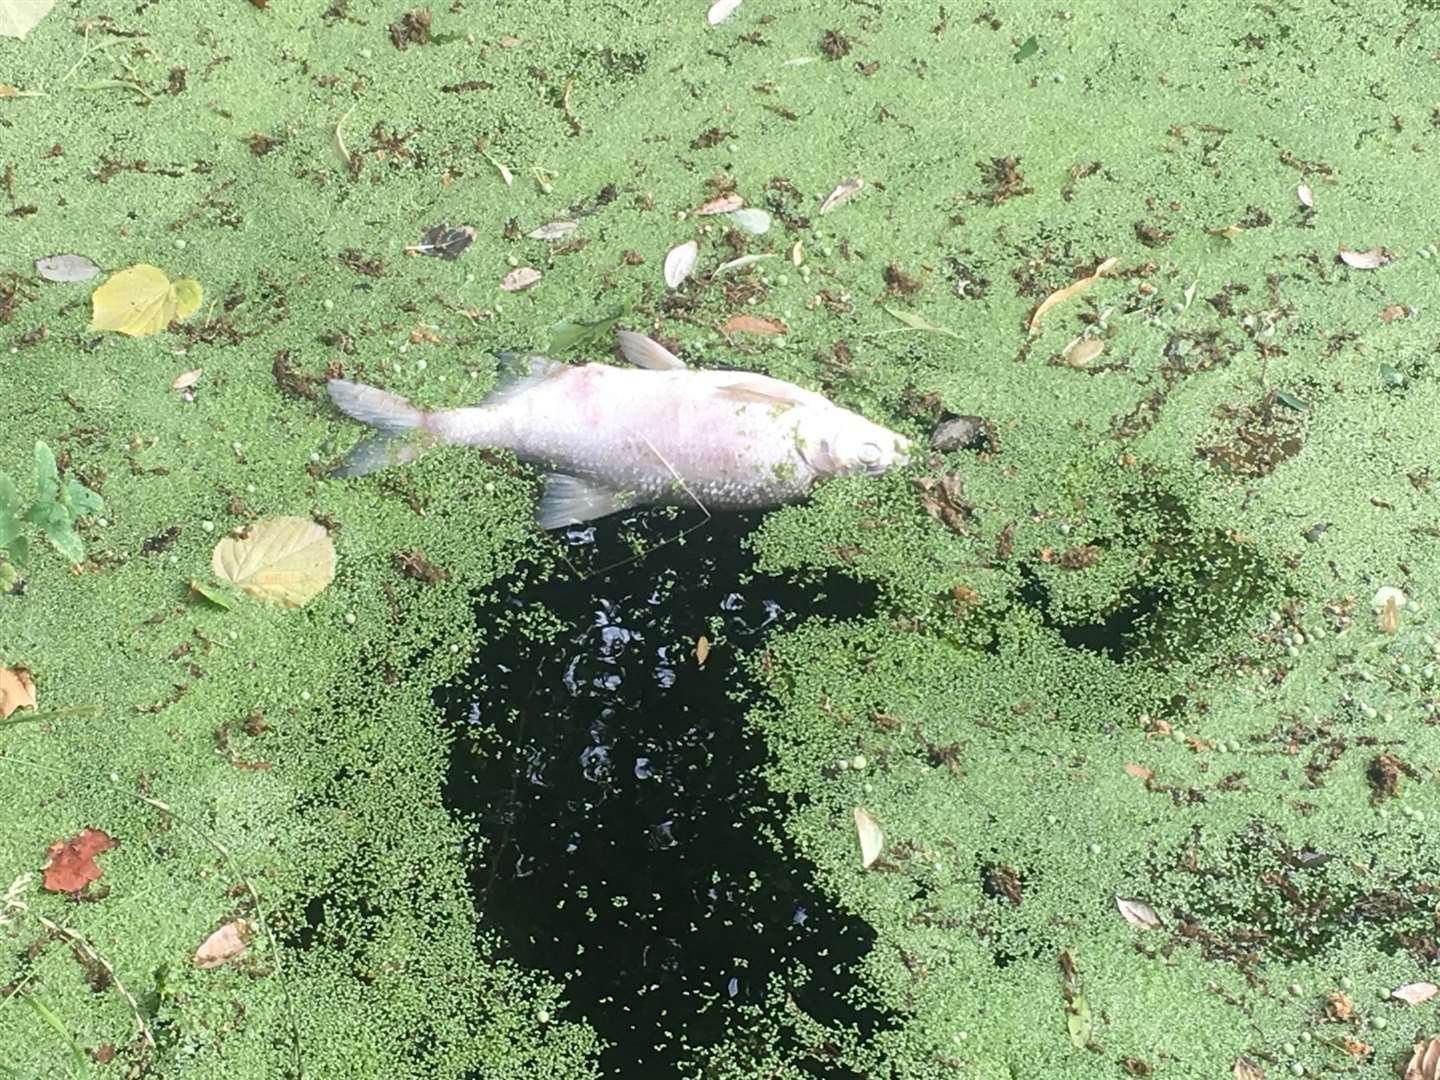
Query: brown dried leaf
x,y
842,194
1138,913
1390,312
72,865
1415,993
1355,1048
1073,289
1372,259
753,324
1082,351
679,262
1245,1069
1424,1063
225,944
702,650
721,204
1340,1007
17,690
1140,772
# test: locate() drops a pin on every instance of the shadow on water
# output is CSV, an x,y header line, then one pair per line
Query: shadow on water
x,y
625,841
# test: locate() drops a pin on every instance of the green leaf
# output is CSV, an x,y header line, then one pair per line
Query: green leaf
x,y
82,500
1291,401
1077,1017
571,333
19,549
210,593
915,322
1030,47
67,541
47,474
9,504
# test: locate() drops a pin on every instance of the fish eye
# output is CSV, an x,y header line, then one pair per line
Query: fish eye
x,y
869,453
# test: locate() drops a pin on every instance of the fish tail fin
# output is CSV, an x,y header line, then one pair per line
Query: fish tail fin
x,y
391,415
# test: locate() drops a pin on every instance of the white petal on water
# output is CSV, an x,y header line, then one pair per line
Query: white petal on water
x,y
1372,259
553,231
842,194
522,277
679,262
743,260
1415,993
721,10
872,841
66,268
1305,195
187,379
752,220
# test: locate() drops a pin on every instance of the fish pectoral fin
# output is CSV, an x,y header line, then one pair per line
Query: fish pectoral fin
x,y
568,500
645,352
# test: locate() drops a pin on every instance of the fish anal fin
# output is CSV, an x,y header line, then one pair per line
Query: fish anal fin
x,y
569,500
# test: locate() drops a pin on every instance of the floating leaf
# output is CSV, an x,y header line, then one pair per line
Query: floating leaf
x,y
568,333
679,262
1138,913
720,11
1290,401
17,690
1305,195
753,324
842,194
915,322
66,268
187,379
797,253
142,300
1415,993
752,220
1082,350
18,17
1390,312
224,945
553,231
505,174
287,559
443,241
522,277
1245,1069
1028,49
702,650
72,865
721,204
1073,289
1140,772
209,593
1372,259
1229,232
1077,1019
872,840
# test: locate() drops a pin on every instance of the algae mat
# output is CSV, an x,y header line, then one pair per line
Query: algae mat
x,y
1126,643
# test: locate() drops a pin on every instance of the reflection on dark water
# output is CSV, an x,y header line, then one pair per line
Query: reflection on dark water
x,y
624,839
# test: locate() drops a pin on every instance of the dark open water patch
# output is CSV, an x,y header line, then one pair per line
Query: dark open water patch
x,y
626,843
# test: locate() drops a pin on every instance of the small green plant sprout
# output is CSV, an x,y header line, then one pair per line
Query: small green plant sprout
x,y
54,510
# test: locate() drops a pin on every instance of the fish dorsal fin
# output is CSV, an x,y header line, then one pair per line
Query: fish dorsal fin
x,y
647,353
568,500
519,372
768,392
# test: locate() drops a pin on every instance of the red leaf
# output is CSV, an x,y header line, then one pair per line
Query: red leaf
x,y
72,862
753,324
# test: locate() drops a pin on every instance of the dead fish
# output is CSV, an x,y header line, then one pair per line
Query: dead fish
x,y
610,438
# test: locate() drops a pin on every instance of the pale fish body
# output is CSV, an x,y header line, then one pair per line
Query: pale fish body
x,y
611,438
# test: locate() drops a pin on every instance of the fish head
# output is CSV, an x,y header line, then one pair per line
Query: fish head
x,y
846,444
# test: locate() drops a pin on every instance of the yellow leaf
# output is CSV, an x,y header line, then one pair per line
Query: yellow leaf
x,y
288,560
142,300
1070,290
17,690
702,650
